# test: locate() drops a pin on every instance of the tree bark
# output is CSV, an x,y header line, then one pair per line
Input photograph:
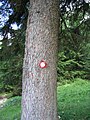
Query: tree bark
x,y
39,84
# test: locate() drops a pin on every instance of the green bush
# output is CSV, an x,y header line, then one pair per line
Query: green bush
x,y
11,75
70,66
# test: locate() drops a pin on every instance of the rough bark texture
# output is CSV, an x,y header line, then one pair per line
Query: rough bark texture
x,y
39,85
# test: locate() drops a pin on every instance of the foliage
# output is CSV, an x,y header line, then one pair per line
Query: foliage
x,y
86,59
73,58
11,64
11,75
70,66
18,10
13,12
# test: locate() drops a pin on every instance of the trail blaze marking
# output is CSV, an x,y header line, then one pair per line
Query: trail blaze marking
x,y
42,64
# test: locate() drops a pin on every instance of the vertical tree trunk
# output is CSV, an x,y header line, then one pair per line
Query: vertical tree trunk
x,y
39,84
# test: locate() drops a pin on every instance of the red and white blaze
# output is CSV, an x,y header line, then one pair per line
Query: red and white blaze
x,y
43,64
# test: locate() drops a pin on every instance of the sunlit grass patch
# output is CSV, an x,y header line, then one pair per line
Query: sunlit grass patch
x,y
74,100
11,110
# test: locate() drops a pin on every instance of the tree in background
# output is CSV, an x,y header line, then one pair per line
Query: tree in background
x,y
11,63
12,47
74,37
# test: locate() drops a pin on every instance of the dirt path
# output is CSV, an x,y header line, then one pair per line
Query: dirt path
x,y
3,99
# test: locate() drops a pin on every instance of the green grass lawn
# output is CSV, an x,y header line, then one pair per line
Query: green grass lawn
x,y
74,100
11,109
73,103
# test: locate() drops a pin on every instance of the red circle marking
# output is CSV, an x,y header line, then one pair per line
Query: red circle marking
x,y
43,64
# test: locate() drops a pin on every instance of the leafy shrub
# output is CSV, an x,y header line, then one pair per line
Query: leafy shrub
x,y
70,66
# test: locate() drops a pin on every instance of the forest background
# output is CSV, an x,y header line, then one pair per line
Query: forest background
x,y
74,42
73,66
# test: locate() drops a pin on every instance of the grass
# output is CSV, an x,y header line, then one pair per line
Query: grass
x,y
73,103
11,109
74,100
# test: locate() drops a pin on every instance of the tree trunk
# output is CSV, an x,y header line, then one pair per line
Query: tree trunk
x,y
39,84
